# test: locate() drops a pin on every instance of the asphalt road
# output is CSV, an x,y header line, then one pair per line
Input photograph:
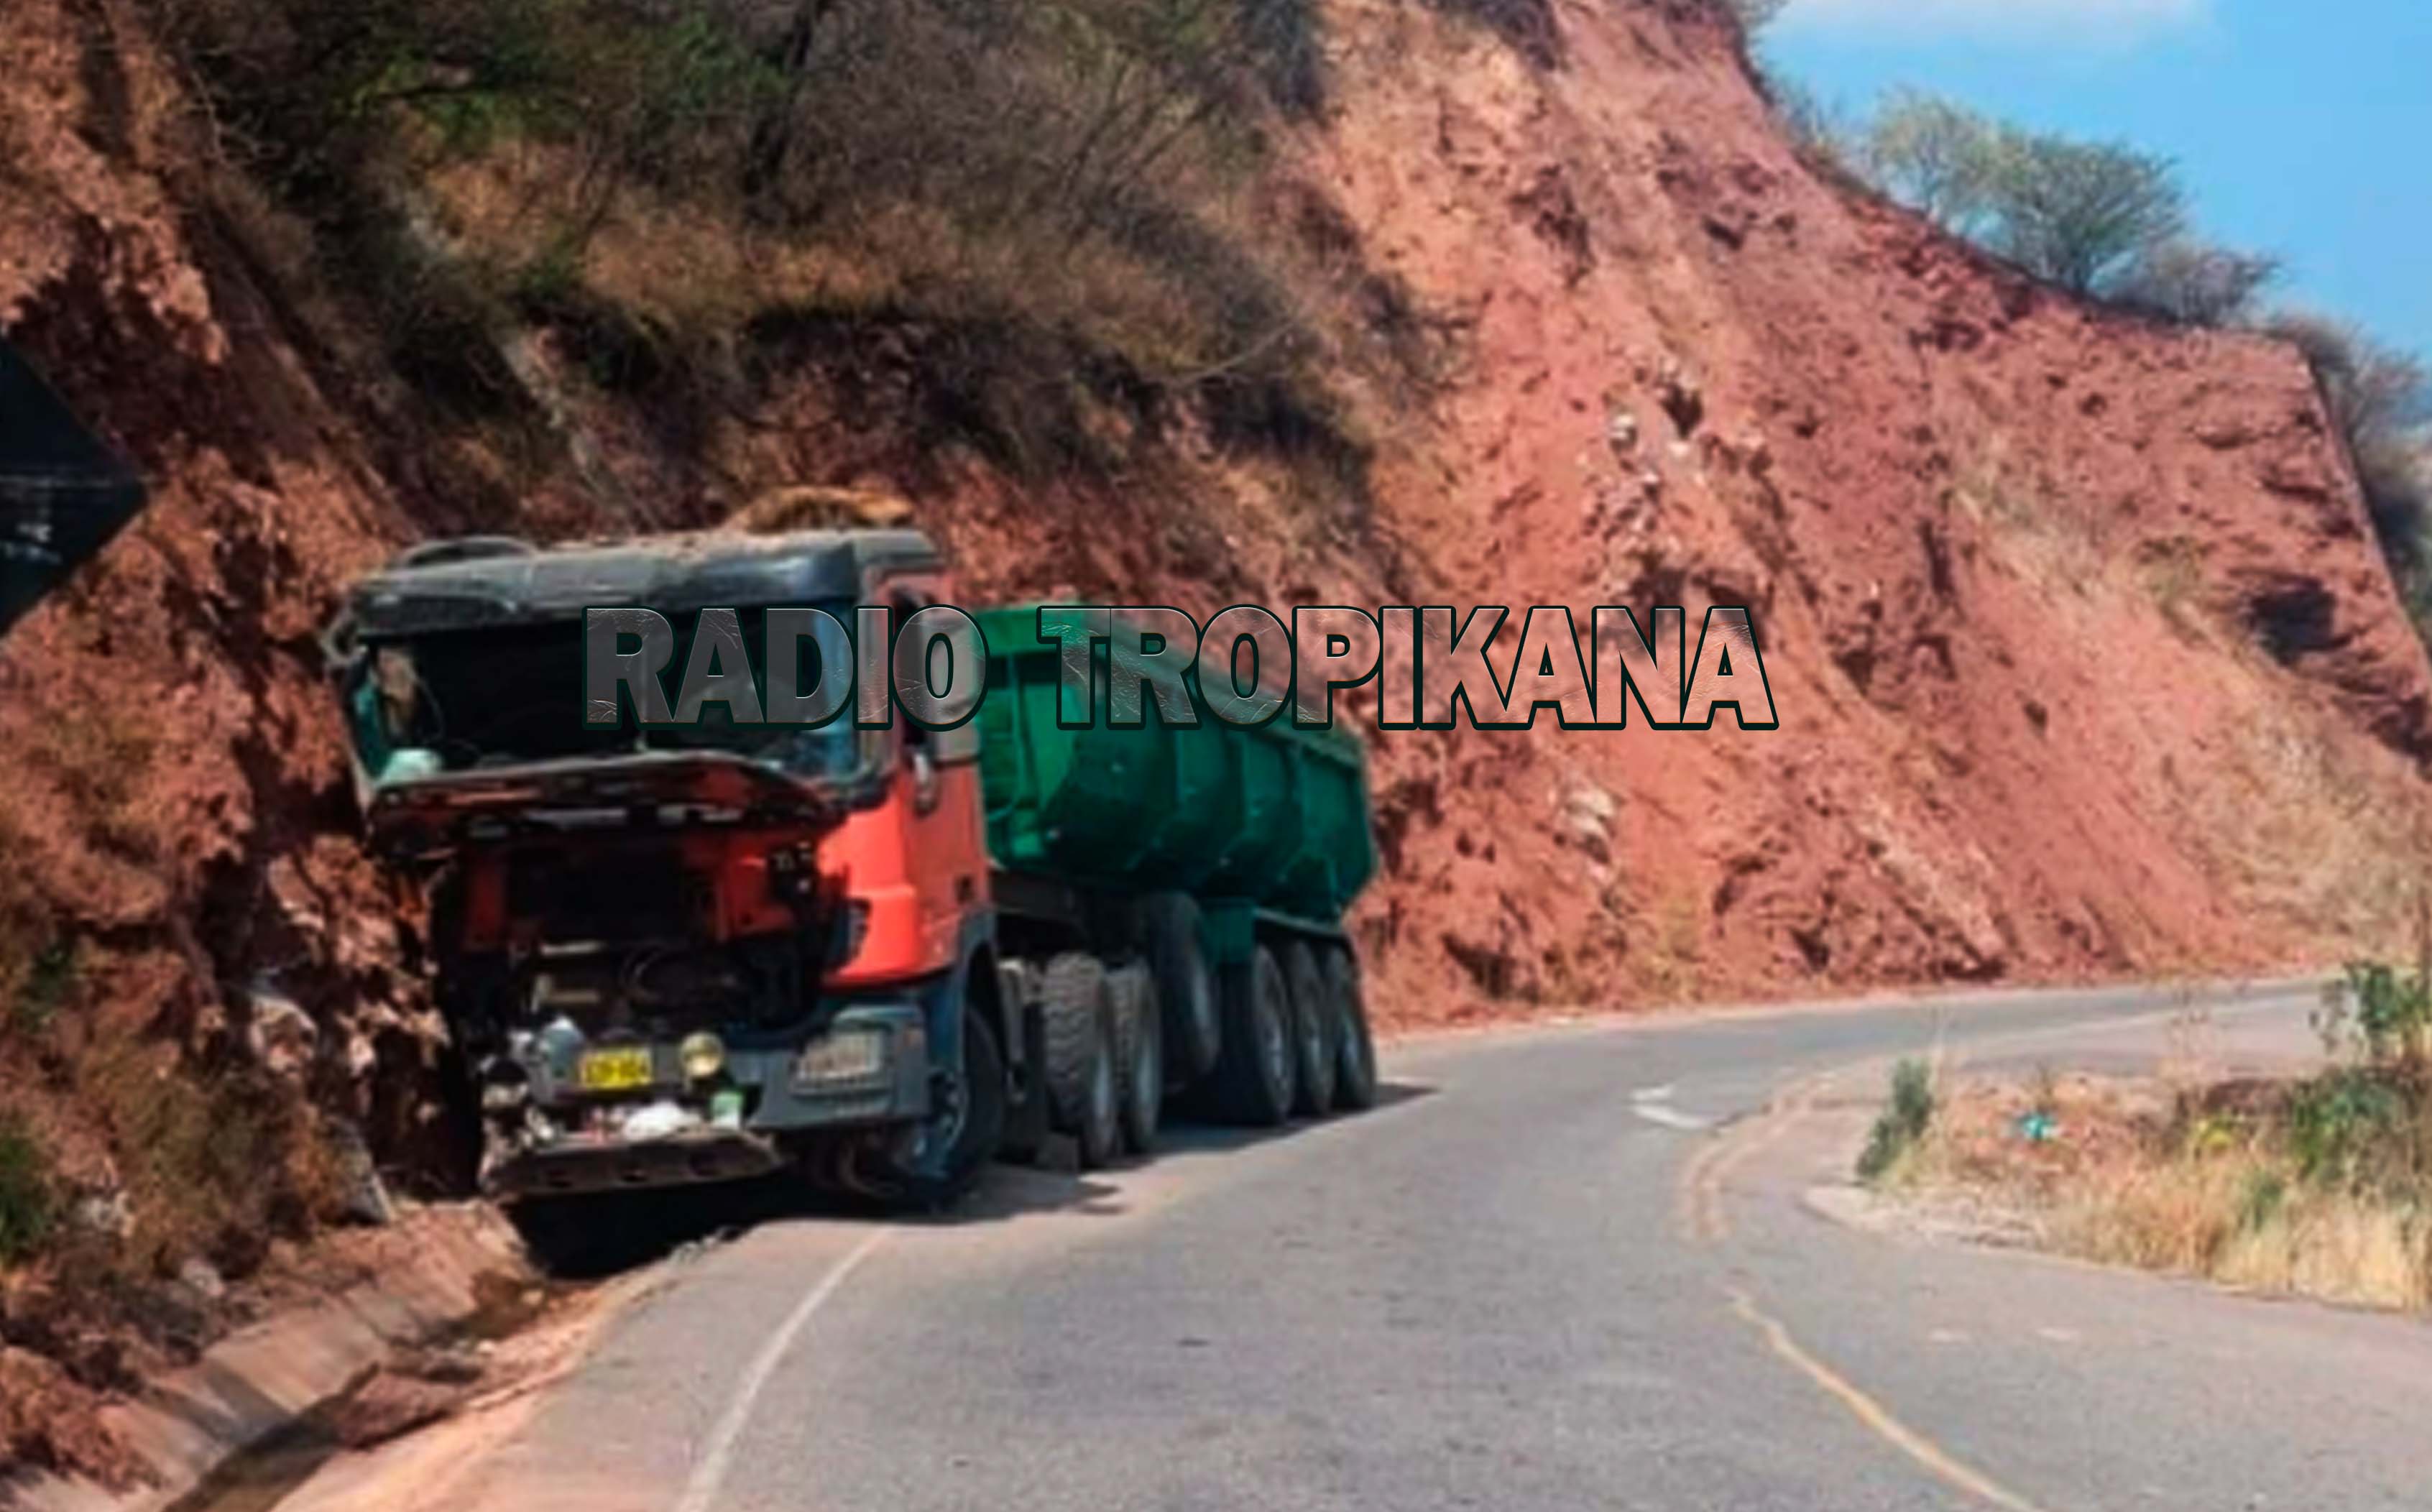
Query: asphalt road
x,y
1560,1269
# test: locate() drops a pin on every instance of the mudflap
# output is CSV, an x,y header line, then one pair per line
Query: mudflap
x,y
1025,1122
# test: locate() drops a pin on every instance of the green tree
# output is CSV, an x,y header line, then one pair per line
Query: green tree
x,y
2075,212
1934,156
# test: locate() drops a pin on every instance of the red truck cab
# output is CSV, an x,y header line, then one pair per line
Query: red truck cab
x,y
681,954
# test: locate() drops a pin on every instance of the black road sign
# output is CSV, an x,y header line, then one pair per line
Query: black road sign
x,y
64,494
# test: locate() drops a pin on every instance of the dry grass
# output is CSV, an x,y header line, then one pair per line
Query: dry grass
x,y
1056,215
2148,1174
214,1165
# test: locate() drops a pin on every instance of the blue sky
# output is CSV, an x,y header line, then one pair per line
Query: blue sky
x,y
2300,127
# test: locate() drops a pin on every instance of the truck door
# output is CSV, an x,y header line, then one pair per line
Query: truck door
x,y
945,837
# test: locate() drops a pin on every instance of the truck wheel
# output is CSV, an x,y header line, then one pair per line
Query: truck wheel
x,y
936,1162
1140,1056
1354,1048
1251,1083
1081,1077
1312,1030
1185,989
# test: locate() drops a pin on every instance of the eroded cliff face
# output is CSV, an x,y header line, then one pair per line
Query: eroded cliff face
x,y
2085,661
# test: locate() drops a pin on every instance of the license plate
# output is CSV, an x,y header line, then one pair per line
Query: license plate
x,y
616,1070
851,1055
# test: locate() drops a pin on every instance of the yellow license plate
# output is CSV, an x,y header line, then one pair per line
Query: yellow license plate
x,y
616,1070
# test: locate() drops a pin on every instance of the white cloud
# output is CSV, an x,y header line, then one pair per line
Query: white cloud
x,y
2096,22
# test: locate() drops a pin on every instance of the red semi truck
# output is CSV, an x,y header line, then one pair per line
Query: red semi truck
x,y
882,957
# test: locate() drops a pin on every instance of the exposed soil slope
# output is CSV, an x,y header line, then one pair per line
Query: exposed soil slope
x,y
2085,660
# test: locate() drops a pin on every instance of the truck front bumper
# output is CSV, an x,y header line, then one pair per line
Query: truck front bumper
x,y
869,1069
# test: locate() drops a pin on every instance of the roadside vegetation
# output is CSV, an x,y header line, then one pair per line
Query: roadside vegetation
x,y
2318,1185
1025,232
1900,1129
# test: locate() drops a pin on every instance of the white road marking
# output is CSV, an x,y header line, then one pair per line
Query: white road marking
x,y
709,1476
1671,1117
1655,1094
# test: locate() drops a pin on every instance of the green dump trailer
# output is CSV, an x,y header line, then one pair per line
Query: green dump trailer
x,y
1205,867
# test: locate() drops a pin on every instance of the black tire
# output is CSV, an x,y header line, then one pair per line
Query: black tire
x,y
1081,1080
936,1163
1098,1129
1252,1084
1188,994
1139,1057
1071,999
1312,1031
1354,1048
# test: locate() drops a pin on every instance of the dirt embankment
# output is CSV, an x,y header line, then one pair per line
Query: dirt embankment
x,y
2085,661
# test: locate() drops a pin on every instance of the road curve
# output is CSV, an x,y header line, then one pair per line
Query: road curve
x,y
1559,1268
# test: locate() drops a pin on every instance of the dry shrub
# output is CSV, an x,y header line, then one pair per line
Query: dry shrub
x,y
2286,1187
2175,1216
216,1164
2335,1247
1059,186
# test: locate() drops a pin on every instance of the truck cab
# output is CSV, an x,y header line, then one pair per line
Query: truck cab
x,y
680,955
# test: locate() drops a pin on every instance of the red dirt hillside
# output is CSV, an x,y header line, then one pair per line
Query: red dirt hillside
x,y
2085,660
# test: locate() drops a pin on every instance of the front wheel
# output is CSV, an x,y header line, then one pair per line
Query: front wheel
x,y
937,1160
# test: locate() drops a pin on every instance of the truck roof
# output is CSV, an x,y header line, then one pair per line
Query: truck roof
x,y
489,580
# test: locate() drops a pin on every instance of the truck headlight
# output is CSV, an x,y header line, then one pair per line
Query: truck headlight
x,y
703,1056
846,1055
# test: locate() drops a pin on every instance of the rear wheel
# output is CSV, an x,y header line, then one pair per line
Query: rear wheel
x,y
1140,1056
1186,989
1251,1083
1354,1048
1313,1046
1081,1076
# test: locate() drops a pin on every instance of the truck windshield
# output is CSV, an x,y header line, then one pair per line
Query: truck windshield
x,y
474,700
